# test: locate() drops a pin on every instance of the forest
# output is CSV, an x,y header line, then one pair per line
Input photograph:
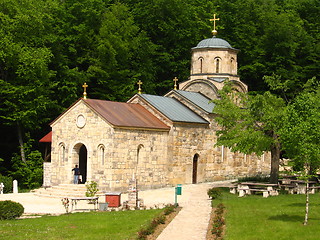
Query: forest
x,y
49,48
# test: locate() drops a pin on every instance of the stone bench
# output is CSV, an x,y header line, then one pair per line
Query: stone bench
x,y
312,189
291,188
265,192
233,189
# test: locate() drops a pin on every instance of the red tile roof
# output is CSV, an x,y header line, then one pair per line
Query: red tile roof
x,y
121,114
47,138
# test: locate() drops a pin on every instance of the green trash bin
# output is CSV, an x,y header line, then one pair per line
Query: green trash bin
x,y
179,189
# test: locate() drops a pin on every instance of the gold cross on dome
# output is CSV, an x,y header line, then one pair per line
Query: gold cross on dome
x,y
214,31
175,83
139,83
85,90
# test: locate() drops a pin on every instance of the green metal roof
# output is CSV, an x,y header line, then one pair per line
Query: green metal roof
x,y
173,109
213,42
198,99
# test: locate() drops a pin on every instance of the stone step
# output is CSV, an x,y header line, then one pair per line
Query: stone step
x,y
63,190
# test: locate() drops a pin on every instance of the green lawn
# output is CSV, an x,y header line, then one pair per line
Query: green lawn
x,y
94,225
279,217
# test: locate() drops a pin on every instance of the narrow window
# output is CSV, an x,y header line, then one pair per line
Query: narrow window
x,y
200,59
101,152
62,152
217,65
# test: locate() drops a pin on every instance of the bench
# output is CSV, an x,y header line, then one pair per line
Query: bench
x,y
312,189
267,189
75,200
233,189
243,191
265,192
291,188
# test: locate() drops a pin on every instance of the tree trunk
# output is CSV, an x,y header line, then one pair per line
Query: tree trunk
x,y
275,161
307,204
23,155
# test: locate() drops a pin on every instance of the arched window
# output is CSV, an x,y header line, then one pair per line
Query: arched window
x,y
232,66
62,153
101,154
201,64
217,64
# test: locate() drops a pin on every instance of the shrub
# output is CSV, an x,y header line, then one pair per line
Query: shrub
x,y
169,209
29,174
10,210
7,182
218,221
92,189
214,193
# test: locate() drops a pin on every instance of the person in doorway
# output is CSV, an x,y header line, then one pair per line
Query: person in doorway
x,y
76,174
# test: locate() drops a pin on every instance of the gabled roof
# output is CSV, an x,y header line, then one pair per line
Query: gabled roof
x,y
47,138
198,99
126,115
173,109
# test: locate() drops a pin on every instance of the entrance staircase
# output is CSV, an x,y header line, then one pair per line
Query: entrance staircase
x,y
62,191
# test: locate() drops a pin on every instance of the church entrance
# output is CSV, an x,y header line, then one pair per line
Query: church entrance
x,y
83,163
195,168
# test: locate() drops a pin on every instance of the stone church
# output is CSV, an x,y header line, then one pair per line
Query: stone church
x,y
156,140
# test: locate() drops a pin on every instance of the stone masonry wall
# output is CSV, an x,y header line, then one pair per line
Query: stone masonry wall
x,y
119,162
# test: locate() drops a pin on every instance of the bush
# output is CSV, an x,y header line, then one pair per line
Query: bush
x,y
169,209
214,193
92,189
10,210
7,182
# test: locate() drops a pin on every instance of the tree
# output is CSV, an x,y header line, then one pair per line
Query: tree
x,y
300,135
123,56
25,76
250,124
280,37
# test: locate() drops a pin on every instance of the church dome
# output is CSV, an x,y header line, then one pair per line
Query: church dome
x,y
213,43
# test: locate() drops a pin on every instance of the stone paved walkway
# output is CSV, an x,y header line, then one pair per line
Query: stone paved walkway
x,y
191,222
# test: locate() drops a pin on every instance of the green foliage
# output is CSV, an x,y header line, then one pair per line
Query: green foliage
x,y
10,210
30,173
218,221
92,189
150,228
169,209
7,182
214,193
301,131
251,124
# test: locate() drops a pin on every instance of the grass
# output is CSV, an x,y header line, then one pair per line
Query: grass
x,y
93,225
279,217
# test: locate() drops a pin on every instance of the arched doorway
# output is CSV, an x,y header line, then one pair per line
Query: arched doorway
x,y
83,153
195,168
